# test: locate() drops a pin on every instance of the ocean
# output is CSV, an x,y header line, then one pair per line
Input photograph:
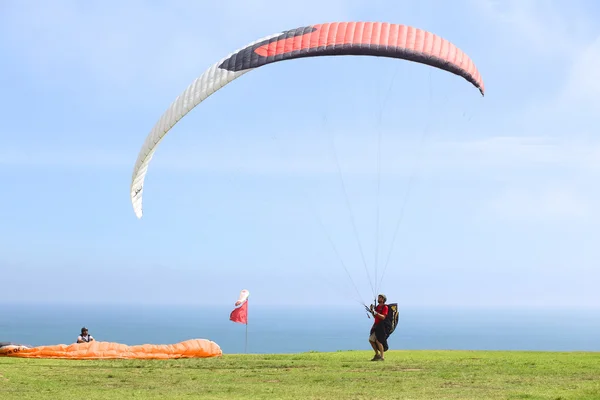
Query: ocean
x,y
294,329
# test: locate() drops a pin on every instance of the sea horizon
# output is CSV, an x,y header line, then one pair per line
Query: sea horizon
x,y
275,328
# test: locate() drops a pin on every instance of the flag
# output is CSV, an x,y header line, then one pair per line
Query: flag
x,y
240,314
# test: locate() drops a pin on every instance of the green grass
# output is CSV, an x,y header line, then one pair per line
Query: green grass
x,y
432,375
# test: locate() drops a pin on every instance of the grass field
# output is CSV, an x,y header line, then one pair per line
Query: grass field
x,y
342,375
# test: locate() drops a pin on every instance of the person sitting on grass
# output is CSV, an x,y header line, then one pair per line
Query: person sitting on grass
x,y
85,337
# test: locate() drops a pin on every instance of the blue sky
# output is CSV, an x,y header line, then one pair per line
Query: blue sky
x,y
502,206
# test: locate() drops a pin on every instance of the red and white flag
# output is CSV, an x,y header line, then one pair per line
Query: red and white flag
x,y
240,314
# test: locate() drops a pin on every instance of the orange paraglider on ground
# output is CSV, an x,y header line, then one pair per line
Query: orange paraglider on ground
x,y
194,348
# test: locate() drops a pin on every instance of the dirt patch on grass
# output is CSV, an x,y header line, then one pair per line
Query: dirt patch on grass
x,y
392,369
450,385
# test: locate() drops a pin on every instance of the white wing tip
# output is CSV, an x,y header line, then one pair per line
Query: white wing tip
x,y
136,202
137,208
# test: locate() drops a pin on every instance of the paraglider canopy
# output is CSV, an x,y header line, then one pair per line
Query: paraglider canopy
x,y
377,39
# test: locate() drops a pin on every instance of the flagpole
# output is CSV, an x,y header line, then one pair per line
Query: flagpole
x,y
246,344
240,314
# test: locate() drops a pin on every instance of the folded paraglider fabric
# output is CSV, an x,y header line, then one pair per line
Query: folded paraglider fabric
x,y
194,348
